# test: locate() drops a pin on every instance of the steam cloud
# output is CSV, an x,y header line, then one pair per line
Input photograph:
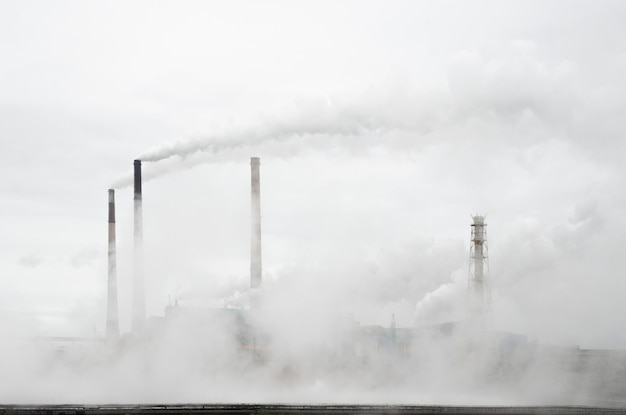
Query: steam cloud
x,y
305,348
337,119
516,90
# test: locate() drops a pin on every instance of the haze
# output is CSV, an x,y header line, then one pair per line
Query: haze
x,y
381,127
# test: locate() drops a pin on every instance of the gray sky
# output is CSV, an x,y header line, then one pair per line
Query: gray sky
x,y
381,126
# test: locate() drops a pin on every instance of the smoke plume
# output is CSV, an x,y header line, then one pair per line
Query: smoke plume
x,y
516,92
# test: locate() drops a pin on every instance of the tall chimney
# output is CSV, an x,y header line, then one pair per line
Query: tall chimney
x,y
478,283
139,301
255,235
112,323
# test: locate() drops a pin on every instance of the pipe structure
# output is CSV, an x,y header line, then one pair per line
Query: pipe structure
x,y
112,323
478,259
139,300
255,234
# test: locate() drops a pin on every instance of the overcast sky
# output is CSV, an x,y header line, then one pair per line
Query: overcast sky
x,y
381,127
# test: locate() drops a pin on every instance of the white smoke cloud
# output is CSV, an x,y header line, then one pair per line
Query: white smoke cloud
x,y
516,92
530,133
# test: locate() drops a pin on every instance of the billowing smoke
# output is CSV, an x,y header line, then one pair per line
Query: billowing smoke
x,y
351,121
367,309
376,110
517,93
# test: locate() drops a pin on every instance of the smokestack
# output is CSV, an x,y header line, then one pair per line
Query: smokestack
x,y
255,235
112,323
139,301
479,290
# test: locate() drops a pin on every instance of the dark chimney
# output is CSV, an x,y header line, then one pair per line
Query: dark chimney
x,y
137,166
139,301
255,241
112,323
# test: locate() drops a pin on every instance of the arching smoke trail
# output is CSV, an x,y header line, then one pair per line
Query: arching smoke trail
x,y
374,112
472,89
309,120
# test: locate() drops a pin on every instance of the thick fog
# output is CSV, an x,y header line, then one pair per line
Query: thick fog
x,y
381,128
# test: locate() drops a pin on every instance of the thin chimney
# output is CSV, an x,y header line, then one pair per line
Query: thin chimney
x,y
478,282
139,301
255,235
112,323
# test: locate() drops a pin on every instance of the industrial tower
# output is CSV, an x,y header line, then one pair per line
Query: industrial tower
x,y
112,322
139,296
479,293
256,268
